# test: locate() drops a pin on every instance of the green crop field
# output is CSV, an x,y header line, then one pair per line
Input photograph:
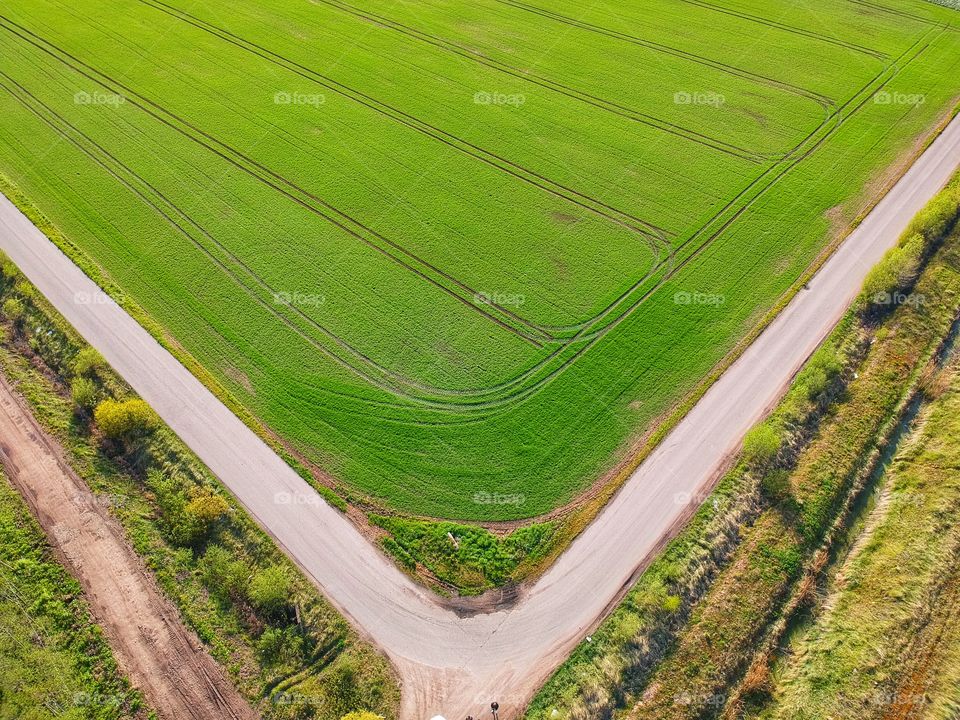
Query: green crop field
x,y
461,254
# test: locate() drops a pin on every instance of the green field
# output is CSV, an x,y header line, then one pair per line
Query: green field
x,y
461,254
54,661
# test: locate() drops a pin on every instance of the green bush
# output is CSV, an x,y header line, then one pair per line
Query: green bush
x,y
15,310
8,270
84,393
280,645
223,574
938,216
124,419
269,590
362,715
204,510
761,444
87,362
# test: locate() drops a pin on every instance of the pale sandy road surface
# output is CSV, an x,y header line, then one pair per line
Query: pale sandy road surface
x,y
451,665
160,656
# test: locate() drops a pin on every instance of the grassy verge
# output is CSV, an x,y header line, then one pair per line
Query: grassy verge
x,y
285,647
688,626
464,558
883,640
54,662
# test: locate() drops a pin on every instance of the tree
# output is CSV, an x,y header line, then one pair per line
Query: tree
x,y
270,590
84,393
124,419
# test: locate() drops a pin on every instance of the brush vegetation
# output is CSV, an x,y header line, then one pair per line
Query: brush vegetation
x,y
283,645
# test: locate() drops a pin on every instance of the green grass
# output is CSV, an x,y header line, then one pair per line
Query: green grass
x,y
284,646
464,558
894,595
54,661
738,563
326,259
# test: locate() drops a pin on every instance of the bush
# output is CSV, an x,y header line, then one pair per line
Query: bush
x,y
8,269
221,573
671,603
819,372
278,645
15,310
761,444
362,715
87,362
84,393
936,219
203,511
270,590
124,420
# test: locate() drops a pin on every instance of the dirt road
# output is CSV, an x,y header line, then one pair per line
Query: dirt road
x,y
451,665
159,655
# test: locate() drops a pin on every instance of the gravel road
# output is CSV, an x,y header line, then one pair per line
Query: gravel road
x,y
454,665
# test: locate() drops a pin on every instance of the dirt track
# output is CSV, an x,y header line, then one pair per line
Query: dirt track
x,y
450,664
160,656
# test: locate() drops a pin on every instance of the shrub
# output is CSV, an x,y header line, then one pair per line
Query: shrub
x,y
15,310
87,362
938,216
761,444
84,393
221,573
203,511
671,603
269,590
278,645
362,715
8,269
124,419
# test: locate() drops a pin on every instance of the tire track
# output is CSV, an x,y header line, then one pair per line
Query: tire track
x,y
547,374
822,100
118,171
161,656
293,192
545,82
789,28
656,235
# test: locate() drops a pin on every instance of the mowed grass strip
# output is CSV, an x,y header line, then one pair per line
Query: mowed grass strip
x,y
377,270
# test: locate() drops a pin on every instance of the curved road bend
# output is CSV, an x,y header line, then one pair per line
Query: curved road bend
x,y
451,665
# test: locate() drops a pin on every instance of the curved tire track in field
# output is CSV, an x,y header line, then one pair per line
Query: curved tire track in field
x,y
653,236
491,397
456,665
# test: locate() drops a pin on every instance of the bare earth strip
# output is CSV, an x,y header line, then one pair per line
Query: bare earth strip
x,y
450,664
159,655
